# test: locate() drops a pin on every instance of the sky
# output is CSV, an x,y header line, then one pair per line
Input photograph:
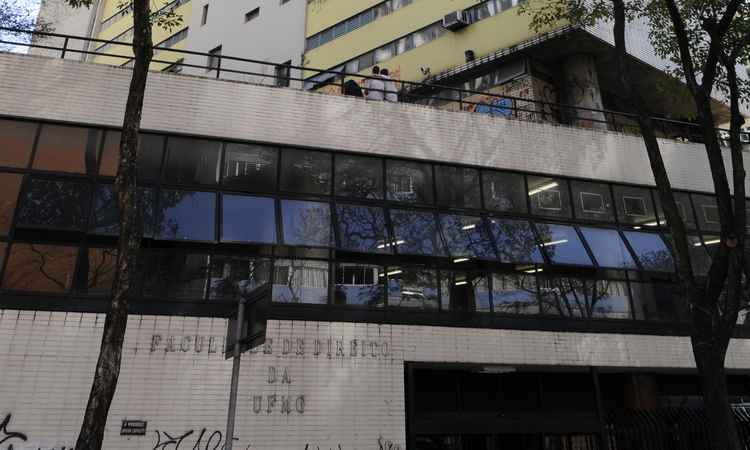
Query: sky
x,y
33,7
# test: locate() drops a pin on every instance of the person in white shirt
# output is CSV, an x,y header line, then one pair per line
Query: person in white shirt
x,y
374,87
391,93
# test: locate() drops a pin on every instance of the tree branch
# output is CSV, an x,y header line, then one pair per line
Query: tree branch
x,y
683,43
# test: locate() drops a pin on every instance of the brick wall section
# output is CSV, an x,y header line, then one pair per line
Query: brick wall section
x,y
73,91
179,380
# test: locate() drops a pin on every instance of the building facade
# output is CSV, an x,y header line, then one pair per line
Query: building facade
x,y
439,280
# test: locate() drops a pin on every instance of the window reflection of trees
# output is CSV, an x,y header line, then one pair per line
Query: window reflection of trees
x,y
412,288
54,204
40,268
457,186
359,177
574,297
362,228
235,277
415,232
185,215
358,284
306,223
299,281
464,292
466,236
514,294
106,215
515,241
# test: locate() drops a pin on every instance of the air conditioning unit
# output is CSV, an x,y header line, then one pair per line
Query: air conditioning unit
x,y
745,137
455,20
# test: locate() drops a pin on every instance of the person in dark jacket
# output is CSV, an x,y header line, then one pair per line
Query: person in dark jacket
x,y
352,88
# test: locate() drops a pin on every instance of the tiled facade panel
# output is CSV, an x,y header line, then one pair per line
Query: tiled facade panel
x,y
96,94
315,383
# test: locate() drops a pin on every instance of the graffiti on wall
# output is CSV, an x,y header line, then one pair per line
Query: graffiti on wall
x,y
192,440
10,437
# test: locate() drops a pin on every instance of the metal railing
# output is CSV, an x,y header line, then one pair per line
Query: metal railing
x,y
334,81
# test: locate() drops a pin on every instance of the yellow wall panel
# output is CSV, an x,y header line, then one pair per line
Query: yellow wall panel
x,y
321,14
126,22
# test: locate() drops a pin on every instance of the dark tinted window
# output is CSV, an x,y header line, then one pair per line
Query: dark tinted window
x,y
515,241
592,201
54,204
106,214
300,281
359,177
306,172
185,215
192,161
634,206
608,248
100,267
234,276
610,300
40,268
250,167
410,287
458,187
684,208
359,284
549,197
466,236
462,291
699,256
651,251
176,275
362,229
306,223
11,184
67,149
149,155
657,301
514,294
562,245
415,232
16,141
248,219
707,211
504,191
409,182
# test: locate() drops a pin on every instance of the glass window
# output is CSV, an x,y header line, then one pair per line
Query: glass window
x,y
385,52
250,167
515,241
306,172
362,229
514,294
567,297
610,300
185,215
359,284
17,141
504,191
592,201
458,187
306,223
67,149
149,155
300,281
192,161
40,268
608,248
549,197
359,177
699,253
100,266
707,211
466,236
235,277
248,219
562,245
367,60
415,232
684,207
11,184
412,287
409,182
175,275
658,301
464,292
106,213
634,206
651,251
54,204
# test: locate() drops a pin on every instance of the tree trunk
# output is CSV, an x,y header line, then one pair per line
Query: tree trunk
x,y
110,354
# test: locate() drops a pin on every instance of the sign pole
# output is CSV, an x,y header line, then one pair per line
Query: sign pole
x,y
235,375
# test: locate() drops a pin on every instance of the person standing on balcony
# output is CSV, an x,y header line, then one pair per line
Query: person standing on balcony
x,y
391,93
375,87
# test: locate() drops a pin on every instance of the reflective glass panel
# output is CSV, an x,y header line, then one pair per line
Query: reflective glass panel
x,y
658,301
608,248
176,275
250,167
186,215
458,187
235,277
684,208
359,284
707,211
562,245
100,268
610,300
711,243
515,241
305,171
362,229
359,177
699,253
409,182
412,287
592,201
106,214
634,206
149,155
464,292
567,297
192,161
54,204
651,251
40,268
504,191
415,232
11,184
300,281
306,223
514,294
64,148
466,236
549,197
248,219
16,141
